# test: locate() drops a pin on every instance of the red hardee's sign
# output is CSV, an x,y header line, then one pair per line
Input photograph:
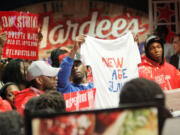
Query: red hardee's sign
x,y
64,31
22,29
81,100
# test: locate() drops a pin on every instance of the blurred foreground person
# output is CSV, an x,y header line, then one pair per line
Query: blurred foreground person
x,y
143,91
53,100
11,123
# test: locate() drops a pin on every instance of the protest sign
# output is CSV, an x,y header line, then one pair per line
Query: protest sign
x,y
22,30
81,100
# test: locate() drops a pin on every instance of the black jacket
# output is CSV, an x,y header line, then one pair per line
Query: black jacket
x,y
174,60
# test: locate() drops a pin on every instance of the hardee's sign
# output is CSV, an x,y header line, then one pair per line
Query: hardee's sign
x,y
66,30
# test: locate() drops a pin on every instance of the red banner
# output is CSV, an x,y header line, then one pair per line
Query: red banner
x,y
21,29
81,100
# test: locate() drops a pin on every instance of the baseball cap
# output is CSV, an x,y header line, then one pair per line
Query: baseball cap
x,y
38,68
77,57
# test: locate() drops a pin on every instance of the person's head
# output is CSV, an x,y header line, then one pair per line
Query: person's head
x,y
11,123
15,71
154,49
53,100
176,43
55,56
140,90
143,91
30,105
42,76
78,72
7,92
162,32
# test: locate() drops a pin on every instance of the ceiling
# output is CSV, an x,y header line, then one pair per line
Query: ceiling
x,y
7,5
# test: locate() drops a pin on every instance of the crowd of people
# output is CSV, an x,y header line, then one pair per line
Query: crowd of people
x,y
35,86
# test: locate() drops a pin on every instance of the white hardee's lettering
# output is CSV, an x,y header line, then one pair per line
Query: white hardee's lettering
x,y
100,28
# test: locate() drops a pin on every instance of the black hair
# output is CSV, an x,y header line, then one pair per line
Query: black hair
x,y
3,91
162,32
141,90
51,100
11,123
55,56
30,105
161,29
33,83
151,39
12,73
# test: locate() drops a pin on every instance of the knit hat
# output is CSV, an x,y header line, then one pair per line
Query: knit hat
x,y
151,39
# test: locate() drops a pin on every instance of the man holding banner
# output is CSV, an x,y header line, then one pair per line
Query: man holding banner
x,y
110,66
80,94
72,66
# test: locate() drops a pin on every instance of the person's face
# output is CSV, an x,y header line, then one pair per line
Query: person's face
x,y
176,44
155,51
9,95
78,71
49,83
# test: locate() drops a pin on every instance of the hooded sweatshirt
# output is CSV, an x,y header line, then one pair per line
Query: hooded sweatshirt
x,y
166,75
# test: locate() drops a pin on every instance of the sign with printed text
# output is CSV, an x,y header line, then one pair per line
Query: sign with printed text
x,y
60,22
22,31
65,30
81,100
